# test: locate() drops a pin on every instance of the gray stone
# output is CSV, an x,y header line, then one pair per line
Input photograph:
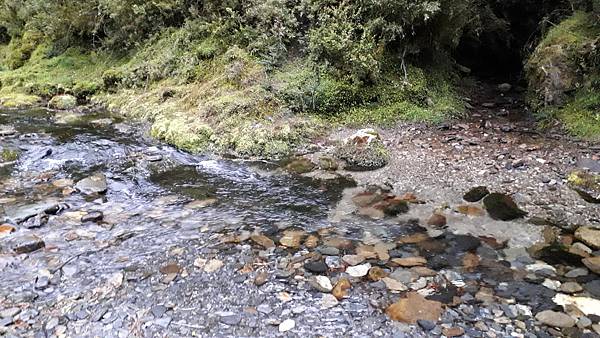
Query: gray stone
x,y
232,319
158,311
23,213
578,272
555,319
571,287
95,184
403,276
584,322
26,243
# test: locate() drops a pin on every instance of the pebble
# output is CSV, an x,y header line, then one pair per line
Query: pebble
x,y
316,267
353,260
571,287
231,319
328,301
321,283
584,322
426,325
359,270
287,325
578,272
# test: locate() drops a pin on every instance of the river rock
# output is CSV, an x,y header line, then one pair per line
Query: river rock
x,y
300,165
287,325
502,207
316,266
359,270
292,238
394,285
95,184
570,287
353,260
413,308
263,241
94,216
321,283
63,102
23,213
437,220
340,290
476,194
593,287
363,151
555,319
589,236
586,184
593,263
410,261
329,301
26,244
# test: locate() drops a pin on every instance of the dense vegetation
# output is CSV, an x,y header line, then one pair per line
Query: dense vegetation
x,y
240,74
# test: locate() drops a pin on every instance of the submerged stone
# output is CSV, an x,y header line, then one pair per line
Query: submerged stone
x,y
502,207
95,184
26,244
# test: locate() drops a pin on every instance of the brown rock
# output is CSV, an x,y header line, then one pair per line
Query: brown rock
x,y
366,251
171,268
372,212
437,220
453,332
292,238
470,261
311,242
410,261
593,263
6,229
376,273
423,271
589,236
263,241
338,242
413,308
340,290
366,198
471,210
413,239
261,278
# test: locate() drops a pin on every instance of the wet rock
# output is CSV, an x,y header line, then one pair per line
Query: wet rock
x,y
414,308
437,220
328,163
94,216
340,290
201,204
502,207
363,151
476,194
426,325
26,243
321,283
63,102
95,184
589,236
263,241
592,263
555,319
300,165
358,270
287,325
23,213
316,267
6,229
587,185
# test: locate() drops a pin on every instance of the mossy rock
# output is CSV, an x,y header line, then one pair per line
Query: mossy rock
x,y
19,101
587,185
363,157
9,155
63,102
502,207
328,163
300,165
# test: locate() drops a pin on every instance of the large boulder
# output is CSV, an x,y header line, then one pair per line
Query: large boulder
x,y
63,102
363,151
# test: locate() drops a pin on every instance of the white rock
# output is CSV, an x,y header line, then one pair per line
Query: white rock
x,y
394,285
328,301
551,284
116,280
321,283
359,270
213,265
589,306
287,325
353,259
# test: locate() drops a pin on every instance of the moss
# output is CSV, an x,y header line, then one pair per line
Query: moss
x,y
363,156
563,74
9,155
18,100
587,185
189,135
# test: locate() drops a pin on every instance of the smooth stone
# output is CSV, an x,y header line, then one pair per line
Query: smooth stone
x,y
578,272
593,287
95,184
321,283
502,207
23,213
555,319
589,236
287,325
571,287
316,267
358,270
592,263
233,319
426,325
353,260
